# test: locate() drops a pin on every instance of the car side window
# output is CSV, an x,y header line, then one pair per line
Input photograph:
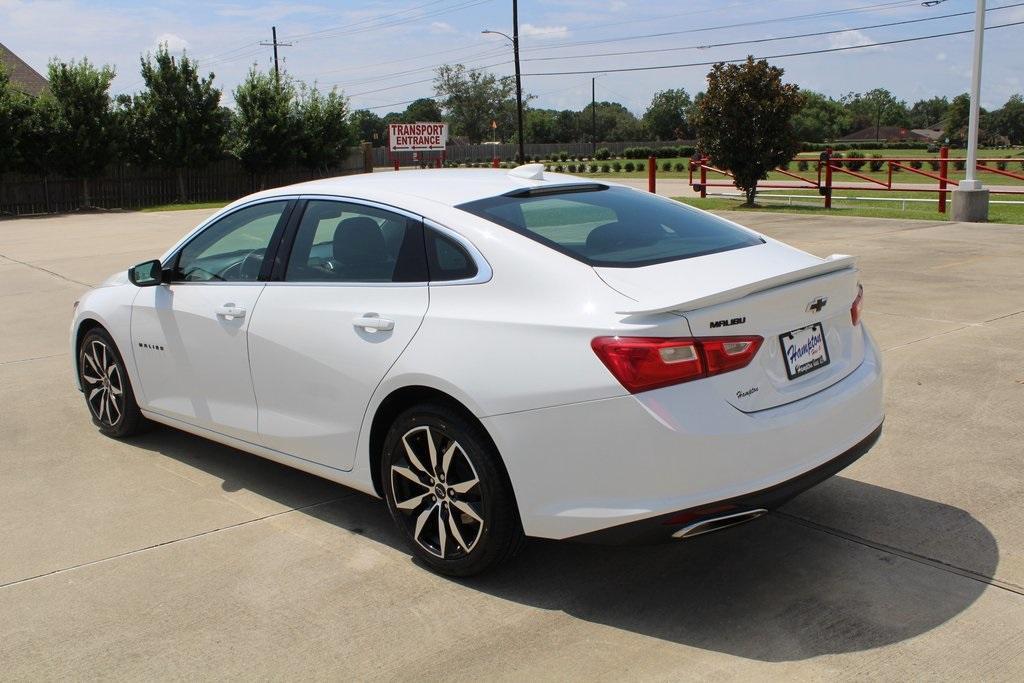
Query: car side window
x,y
233,248
348,242
447,259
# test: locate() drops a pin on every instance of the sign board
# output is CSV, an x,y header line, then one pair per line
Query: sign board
x,y
420,137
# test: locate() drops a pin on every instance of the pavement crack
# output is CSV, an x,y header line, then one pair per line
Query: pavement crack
x,y
45,270
28,360
906,554
201,534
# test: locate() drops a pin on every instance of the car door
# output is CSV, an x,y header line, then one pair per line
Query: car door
x,y
189,336
350,294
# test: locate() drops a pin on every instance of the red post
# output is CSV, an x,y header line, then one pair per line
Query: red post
x,y
494,162
437,162
703,177
828,177
943,168
396,163
652,169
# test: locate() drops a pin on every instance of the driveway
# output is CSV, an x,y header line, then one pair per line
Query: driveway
x,y
166,556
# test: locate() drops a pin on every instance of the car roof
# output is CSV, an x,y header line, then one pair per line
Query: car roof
x,y
446,186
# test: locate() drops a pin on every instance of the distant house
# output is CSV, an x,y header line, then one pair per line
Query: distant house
x,y
894,134
23,77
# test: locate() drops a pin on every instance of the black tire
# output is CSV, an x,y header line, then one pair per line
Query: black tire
x,y
106,386
480,522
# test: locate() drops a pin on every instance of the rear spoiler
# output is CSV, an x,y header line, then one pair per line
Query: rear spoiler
x,y
833,263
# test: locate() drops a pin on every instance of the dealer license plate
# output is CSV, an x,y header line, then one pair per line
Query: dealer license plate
x,y
804,350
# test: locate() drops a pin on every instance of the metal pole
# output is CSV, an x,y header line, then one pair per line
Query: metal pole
x,y
277,72
519,80
593,116
972,127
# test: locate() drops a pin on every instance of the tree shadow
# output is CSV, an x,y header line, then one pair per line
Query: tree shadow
x,y
772,590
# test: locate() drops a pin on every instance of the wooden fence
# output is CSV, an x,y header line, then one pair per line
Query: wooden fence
x,y
508,151
125,186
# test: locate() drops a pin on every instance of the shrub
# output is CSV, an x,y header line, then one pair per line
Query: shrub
x,y
876,162
855,161
629,167
916,163
563,156
895,169
571,168
680,166
666,166
602,154
1001,165
687,151
784,166
637,152
605,168
933,164
640,166
959,164
666,152
547,168
616,167
802,165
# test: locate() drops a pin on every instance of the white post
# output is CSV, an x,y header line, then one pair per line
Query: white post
x,y
971,183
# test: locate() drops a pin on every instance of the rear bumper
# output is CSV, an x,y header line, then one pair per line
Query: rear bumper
x,y
662,527
587,467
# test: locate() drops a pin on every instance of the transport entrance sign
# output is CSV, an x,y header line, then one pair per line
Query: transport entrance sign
x,y
417,137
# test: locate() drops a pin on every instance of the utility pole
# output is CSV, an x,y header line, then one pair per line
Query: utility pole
x,y
519,80
275,44
593,117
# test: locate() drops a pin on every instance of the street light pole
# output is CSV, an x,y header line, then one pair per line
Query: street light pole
x,y
514,39
972,126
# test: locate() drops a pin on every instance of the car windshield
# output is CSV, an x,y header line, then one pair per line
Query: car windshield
x,y
612,226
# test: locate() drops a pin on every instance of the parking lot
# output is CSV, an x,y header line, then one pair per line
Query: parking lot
x,y
166,556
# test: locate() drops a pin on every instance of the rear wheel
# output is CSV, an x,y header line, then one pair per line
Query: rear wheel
x,y
106,386
448,493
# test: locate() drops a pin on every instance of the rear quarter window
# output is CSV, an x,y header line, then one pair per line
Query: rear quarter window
x,y
613,227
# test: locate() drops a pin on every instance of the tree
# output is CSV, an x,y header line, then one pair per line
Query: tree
x,y
540,125
567,126
368,127
745,121
665,117
876,108
78,108
263,129
928,112
14,108
324,135
957,117
470,100
423,109
180,114
615,123
821,118
1009,120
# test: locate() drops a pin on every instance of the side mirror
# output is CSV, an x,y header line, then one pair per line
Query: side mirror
x,y
146,274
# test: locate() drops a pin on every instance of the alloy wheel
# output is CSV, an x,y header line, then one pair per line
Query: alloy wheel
x,y
437,493
104,386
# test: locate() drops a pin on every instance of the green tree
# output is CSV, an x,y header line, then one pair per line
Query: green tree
x,y
567,126
540,125
956,120
876,108
820,118
928,112
78,108
615,123
665,117
470,100
1009,120
14,109
180,114
424,109
324,134
263,130
368,127
745,121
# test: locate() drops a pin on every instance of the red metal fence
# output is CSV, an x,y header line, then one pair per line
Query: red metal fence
x,y
826,166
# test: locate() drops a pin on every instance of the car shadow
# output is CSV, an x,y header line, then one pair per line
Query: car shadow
x,y
776,589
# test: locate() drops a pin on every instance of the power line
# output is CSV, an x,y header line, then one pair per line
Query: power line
x,y
766,40
778,56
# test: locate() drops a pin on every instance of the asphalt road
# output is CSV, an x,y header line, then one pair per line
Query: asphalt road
x,y
165,556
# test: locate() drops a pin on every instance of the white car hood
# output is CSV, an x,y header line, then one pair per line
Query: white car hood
x,y
115,279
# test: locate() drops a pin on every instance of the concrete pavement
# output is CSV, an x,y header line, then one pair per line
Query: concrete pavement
x,y
166,556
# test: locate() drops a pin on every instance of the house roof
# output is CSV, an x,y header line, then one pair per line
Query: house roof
x,y
886,133
23,77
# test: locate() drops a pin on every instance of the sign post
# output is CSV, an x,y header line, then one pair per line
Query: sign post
x,y
416,138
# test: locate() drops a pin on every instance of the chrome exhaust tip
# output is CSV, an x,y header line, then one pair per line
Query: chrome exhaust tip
x,y
706,526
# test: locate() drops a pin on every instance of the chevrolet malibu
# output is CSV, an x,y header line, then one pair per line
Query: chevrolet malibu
x,y
496,354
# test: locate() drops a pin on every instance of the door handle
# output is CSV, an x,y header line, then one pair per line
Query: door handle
x,y
230,312
371,322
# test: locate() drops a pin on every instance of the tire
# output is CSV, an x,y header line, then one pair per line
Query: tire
x,y
461,528
106,386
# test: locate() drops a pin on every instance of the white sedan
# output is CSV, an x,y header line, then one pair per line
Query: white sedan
x,y
497,354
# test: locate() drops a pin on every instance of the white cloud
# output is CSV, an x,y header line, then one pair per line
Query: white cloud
x,y
441,27
531,31
175,43
851,38
940,57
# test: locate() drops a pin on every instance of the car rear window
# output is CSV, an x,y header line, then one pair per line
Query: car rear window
x,y
612,226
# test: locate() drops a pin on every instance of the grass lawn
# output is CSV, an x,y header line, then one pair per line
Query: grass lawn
x,y
184,207
998,213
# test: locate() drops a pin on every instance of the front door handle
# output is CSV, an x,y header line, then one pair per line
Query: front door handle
x,y
230,312
371,322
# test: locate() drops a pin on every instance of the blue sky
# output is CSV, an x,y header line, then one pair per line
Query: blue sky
x,y
378,51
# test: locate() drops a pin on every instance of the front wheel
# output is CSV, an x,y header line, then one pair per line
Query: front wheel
x,y
107,388
447,491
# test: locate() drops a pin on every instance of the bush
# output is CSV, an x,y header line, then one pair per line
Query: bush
x,y
637,152
666,166
605,168
629,167
1001,165
680,166
603,153
687,151
666,152
558,168
562,156
959,164
640,166
802,165
876,162
895,169
616,167
933,164
916,163
571,168
784,166
855,161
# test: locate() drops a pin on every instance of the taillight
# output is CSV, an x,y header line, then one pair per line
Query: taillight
x,y
645,363
858,305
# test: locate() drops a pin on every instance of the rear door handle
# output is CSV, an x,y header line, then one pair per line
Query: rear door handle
x,y
371,322
230,311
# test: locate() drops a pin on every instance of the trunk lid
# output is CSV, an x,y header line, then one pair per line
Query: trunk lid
x,y
768,290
